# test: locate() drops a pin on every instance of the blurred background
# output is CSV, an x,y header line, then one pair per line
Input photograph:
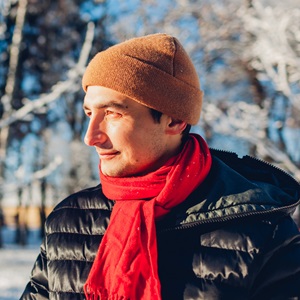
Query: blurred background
x,y
247,54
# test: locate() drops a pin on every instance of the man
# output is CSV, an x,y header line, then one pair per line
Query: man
x,y
171,219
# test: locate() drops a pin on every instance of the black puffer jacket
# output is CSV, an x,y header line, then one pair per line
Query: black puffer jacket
x,y
233,238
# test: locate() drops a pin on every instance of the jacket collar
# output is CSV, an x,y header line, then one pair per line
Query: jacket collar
x,y
236,188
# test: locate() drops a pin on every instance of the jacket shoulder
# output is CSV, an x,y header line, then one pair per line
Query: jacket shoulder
x,y
89,198
83,212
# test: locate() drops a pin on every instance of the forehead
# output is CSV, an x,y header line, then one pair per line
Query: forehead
x,y
98,96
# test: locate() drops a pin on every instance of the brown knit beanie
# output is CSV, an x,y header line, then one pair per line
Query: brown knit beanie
x,y
153,70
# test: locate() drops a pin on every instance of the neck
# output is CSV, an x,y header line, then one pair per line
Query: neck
x,y
174,147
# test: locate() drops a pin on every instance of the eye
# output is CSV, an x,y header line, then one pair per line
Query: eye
x,y
112,114
87,113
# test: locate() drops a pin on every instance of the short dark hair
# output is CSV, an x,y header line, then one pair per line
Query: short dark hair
x,y
156,115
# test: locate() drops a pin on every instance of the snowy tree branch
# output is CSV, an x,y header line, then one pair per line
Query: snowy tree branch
x,y
275,50
58,88
239,119
14,55
40,174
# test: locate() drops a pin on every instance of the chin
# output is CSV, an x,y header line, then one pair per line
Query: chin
x,y
114,173
123,172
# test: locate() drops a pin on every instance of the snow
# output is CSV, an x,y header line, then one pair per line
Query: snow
x,y
16,263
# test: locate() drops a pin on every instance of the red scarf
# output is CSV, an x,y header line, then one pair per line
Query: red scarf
x,y
126,263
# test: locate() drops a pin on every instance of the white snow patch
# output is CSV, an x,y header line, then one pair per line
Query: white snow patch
x,y
16,263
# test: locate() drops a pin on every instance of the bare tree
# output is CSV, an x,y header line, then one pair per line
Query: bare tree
x,y
10,117
7,99
273,52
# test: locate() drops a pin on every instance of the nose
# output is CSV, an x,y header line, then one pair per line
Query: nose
x,y
94,134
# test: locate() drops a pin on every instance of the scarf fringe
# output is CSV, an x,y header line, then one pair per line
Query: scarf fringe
x,y
101,294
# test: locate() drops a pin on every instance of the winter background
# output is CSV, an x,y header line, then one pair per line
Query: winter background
x,y
16,263
247,54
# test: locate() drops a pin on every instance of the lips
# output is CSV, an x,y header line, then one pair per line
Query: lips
x,y
107,154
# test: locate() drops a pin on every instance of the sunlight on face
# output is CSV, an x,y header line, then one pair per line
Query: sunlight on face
x,y
124,134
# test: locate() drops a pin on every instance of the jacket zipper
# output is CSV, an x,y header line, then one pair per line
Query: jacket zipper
x,y
227,218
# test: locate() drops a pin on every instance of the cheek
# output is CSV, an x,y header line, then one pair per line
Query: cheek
x,y
138,141
118,133
148,145
126,140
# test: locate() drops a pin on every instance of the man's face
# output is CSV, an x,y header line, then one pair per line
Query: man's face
x,y
124,134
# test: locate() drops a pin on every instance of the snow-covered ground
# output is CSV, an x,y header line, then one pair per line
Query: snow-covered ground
x,y
16,263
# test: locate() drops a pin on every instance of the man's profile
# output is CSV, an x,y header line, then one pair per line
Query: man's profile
x,y
171,218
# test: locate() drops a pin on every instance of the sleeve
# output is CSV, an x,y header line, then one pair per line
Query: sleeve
x,y
279,277
37,287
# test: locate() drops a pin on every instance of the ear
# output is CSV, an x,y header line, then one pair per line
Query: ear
x,y
175,126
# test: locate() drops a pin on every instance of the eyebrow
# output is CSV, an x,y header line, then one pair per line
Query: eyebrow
x,y
109,104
